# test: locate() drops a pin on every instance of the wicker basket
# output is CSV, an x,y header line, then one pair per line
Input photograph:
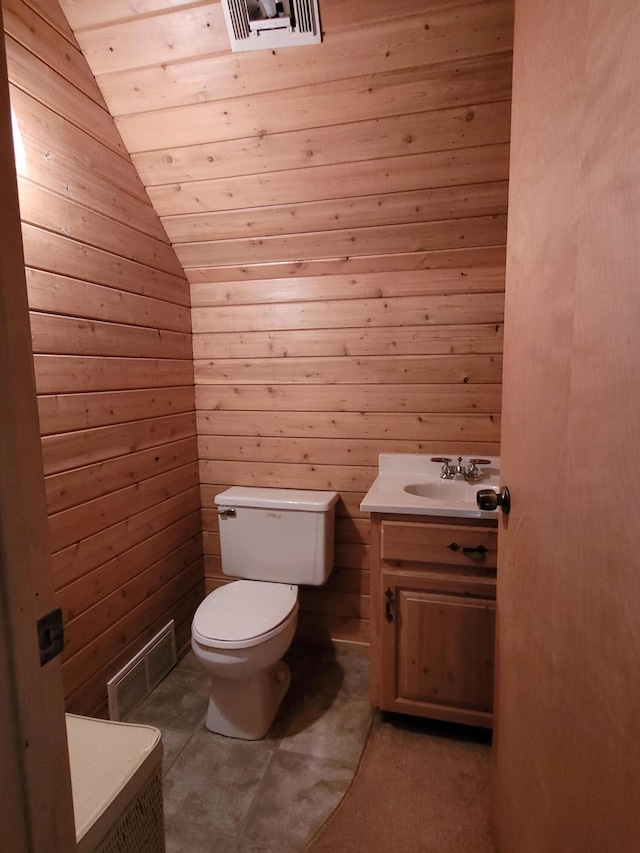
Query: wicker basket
x,y
140,829
117,786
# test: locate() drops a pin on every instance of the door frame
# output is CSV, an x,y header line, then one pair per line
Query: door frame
x,y
36,810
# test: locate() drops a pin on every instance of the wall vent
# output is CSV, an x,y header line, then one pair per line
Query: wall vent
x,y
136,679
268,24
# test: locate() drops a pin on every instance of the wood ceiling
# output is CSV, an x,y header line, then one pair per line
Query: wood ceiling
x,y
245,156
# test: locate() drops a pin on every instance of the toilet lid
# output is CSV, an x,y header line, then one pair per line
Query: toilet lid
x,y
242,610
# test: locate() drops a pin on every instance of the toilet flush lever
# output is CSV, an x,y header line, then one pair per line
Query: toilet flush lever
x,y
228,513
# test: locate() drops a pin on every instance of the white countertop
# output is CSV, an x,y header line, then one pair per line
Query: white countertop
x,y
454,498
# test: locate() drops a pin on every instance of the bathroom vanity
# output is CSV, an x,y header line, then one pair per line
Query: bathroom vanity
x,y
433,585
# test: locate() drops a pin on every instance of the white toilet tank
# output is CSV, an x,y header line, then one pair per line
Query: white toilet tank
x,y
279,535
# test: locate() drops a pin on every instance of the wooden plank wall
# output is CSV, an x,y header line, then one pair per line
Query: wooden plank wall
x,y
340,212
111,336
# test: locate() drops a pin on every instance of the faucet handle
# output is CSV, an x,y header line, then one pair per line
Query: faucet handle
x,y
479,462
446,472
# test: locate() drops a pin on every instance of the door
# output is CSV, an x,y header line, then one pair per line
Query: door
x,y
35,789
567,744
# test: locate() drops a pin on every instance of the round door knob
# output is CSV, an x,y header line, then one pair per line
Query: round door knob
x,y
488,499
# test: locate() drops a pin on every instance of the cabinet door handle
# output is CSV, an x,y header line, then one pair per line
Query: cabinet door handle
x,y
388,612
480,549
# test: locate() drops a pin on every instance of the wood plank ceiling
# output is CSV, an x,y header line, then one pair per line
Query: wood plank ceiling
x,y
340,213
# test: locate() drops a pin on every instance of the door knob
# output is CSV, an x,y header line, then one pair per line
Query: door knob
x,y
487,499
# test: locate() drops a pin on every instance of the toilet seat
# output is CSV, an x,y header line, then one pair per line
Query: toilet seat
x,y
244,613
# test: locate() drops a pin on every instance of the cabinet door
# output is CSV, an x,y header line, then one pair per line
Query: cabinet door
x,y
438,652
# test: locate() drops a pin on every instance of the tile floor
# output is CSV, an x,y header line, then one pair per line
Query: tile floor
x,y
267,796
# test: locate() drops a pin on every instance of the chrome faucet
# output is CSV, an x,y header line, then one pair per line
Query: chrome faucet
x,y
448,472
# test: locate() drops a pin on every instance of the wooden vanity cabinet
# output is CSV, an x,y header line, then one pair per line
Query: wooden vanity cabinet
x,y
433,623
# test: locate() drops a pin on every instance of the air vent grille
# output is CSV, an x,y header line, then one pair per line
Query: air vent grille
x,y
142,673
303,15
270,24
239,18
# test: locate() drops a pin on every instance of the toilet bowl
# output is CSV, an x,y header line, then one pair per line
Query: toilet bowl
x,y
239,634
274,539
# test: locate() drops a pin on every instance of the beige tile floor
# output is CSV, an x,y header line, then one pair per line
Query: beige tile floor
x,y
267,796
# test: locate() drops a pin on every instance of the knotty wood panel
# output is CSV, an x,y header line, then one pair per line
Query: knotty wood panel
x,y
71,488
466,81
71,450
475,29
408,340
378,370
34,77
50,211
109,577
418,398
80,558
61,294
68,412
23,23
375,426
298,450
445,310
392,263
437,203
86,337
472,279
450,167
340,213
73,374
418,133
111,333
400,237
77,259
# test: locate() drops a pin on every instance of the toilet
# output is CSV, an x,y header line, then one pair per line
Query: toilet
x,y
273,539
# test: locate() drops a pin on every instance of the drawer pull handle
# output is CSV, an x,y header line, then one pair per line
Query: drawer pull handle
x,y
479,550
388,612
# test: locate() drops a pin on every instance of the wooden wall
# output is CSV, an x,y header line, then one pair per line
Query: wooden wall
x,y
112,342
339,211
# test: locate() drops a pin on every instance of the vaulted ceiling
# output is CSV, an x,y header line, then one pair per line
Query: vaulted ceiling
x,y
308,156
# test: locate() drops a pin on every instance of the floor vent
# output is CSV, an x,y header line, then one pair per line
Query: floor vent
x,y
136,679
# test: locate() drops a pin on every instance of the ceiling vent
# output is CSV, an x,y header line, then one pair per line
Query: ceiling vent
x,y
268,24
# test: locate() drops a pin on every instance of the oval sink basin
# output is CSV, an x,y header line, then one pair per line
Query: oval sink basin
x,y
449,491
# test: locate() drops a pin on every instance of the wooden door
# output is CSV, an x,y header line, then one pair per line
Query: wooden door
x,y
35,789
567,757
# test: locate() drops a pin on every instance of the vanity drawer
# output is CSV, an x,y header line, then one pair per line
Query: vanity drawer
x,y
438,543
